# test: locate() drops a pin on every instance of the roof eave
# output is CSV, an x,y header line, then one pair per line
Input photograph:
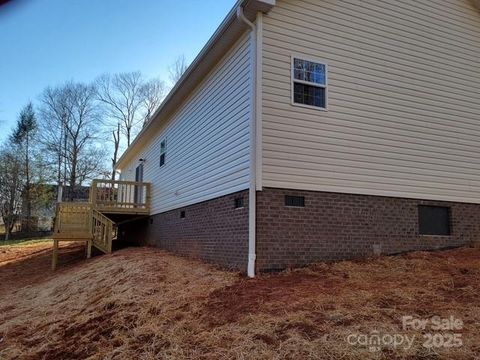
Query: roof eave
x,y
224,37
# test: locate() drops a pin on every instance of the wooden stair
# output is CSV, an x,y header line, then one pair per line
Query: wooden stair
x,y
80,222
102,232
87,222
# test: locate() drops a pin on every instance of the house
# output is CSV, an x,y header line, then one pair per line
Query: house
x,y
311,130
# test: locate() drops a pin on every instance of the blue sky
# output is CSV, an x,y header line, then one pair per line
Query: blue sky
x,y
47,42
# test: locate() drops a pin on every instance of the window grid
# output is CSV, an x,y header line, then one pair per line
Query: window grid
x,y
309,82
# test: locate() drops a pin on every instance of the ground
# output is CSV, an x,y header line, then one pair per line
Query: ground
x,y
143,303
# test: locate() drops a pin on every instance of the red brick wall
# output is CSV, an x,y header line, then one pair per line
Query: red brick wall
x,y
213,231
335,226
331,226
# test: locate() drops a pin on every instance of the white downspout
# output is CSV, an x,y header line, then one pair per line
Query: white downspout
x,y
252,196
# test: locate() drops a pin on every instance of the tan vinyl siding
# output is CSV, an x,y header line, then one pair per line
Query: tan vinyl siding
x,y
207,139
403,113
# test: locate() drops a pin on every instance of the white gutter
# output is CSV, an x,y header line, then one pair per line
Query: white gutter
x,y
252,195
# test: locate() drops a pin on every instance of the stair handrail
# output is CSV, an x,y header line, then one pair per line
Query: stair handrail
x,y
102,231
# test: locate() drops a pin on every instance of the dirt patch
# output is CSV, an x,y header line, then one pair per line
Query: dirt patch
x,y
24,265
145,303
264,294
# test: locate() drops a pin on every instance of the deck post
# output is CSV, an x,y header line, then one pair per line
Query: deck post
x,y
89,249
60,192
93,192
148,198
55,254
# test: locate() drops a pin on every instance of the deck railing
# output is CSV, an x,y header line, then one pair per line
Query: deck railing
x,y
102,232
76,221
112,196
73,220
86,221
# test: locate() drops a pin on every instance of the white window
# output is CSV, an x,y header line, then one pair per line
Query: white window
x,y
163,152
309,83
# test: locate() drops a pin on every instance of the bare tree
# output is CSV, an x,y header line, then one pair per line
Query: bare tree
x,y
122,97
88,165
128,101
54,119
11,184
23,136
122,93
153,92
177,69
116,148
70,123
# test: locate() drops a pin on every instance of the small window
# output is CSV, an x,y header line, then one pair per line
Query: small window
x,y
182,214
309,83
239,203
163,152
298,201
434,220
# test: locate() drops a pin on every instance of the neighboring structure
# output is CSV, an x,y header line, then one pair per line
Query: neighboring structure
x,y
353,127
43,207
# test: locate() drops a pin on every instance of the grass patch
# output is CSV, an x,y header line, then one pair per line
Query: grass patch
x,y
23,242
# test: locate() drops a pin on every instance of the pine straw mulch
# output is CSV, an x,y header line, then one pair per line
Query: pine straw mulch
x,y
142,303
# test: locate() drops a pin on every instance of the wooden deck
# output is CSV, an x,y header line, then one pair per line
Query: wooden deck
x,y
89,221
120,197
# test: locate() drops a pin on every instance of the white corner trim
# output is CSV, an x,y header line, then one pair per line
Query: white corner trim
x,y
259,103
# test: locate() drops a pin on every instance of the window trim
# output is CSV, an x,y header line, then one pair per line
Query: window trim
x,y
293,81
164,153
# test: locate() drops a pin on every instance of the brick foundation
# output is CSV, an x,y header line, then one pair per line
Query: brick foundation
x,y
335,226
214,231
331,226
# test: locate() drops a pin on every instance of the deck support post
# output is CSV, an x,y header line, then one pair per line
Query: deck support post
x,y
55,254
89,249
